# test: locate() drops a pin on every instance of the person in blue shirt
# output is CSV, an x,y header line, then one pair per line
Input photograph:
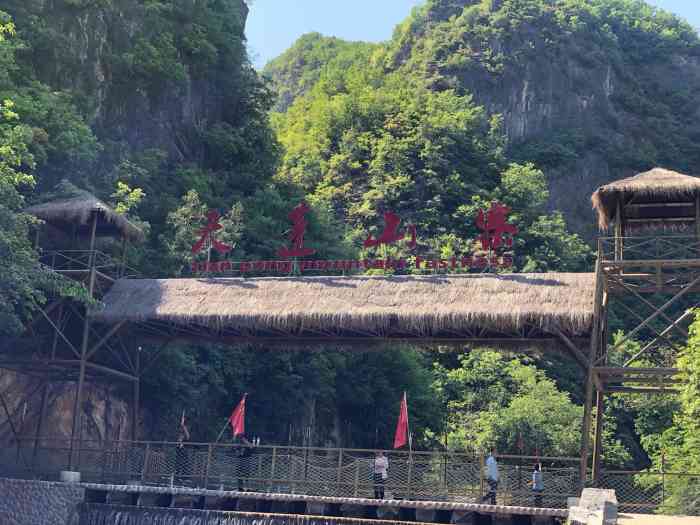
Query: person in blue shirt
x,y
491,477
537,484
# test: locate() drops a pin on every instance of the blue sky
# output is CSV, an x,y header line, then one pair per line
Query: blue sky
x,y
273,25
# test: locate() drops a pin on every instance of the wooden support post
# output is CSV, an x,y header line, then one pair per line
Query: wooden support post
x,y
410,475
618,231
481,476
77,406
598,438
586,430
147,459
272,468
357,477
42,416
597,347
137,396
340,471
55,333
207,469
122,270
13,429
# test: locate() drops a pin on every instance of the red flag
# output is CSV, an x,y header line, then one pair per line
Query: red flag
x,y
237,418
401,435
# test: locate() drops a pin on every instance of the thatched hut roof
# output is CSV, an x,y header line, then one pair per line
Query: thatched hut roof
x,y
78,210
417,305
656,185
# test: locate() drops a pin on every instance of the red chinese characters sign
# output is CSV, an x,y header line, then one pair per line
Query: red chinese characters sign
x,y
207,234
391,233
496,235
296,234
493,225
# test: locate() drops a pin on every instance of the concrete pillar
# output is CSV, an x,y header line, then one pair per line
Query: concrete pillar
x,y
246,505
348,510
281,507
463,517
502,519
387,513
426,515
542,520
314,508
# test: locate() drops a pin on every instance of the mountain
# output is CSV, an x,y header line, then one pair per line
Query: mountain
x,y
590,91
296,70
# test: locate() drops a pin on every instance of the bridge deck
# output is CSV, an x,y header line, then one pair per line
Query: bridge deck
x,y
263,496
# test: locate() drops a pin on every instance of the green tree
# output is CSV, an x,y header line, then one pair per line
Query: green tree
x,y
25,283
677,448
493,400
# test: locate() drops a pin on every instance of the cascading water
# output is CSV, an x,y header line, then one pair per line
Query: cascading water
x,y
100,514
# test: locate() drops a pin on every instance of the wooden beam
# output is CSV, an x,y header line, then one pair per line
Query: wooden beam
x,y
575,351
654,380
667,263
659,311
683,332
689,218
634,313
60,333
104,339
662,335
621,371
640,390
660,205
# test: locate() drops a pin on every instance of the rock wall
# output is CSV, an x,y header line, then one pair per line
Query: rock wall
x,y
146,77
105,416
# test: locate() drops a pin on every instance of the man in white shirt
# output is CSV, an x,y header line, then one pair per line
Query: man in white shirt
x,y
491,477
381,467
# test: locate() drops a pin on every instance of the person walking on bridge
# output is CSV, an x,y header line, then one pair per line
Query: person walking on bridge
x,y
491,477
381,468
537,485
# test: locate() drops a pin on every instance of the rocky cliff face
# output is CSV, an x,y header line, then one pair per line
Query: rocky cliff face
x,y
105,416
145,74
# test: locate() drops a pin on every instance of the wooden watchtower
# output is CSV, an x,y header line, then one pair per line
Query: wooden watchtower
x,y
82,238
647,272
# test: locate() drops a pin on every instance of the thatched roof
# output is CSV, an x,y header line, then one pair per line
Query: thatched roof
x,y
658,184
79,209
422,305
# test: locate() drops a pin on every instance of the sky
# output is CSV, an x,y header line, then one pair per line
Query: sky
x,y
274,25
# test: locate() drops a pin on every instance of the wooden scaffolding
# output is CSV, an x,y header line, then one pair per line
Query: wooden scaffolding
x,y
83,239
647,272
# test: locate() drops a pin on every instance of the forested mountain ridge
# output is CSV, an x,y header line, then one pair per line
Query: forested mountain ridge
x,y
296,70
590,91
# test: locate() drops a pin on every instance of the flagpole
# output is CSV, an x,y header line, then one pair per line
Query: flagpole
x,y
223,429
408,428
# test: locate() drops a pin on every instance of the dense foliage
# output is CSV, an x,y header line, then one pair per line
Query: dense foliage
x,y
24,284
676,449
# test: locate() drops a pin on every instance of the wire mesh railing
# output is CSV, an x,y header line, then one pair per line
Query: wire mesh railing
x,y
76,261
658,492
656,248
418,475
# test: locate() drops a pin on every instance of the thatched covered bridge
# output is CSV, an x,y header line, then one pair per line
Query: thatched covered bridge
x,y
507,308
